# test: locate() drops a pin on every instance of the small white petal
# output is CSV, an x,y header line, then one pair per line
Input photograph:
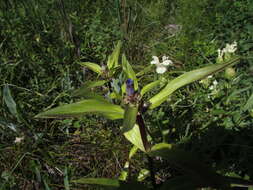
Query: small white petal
x,y
18,139
165,58
210,76
211,87
215,82
167,62
155,60
161,69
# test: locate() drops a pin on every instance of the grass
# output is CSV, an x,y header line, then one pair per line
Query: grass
x,y
41,41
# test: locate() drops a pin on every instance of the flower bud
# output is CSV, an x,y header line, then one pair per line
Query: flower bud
x,y
230,73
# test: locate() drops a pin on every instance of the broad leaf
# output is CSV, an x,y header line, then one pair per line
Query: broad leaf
x,y
134,136
129,72
130,115
92,66
78,109
185,79
11,104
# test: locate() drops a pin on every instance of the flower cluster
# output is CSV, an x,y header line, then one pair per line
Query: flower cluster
x,y
226,52
161,67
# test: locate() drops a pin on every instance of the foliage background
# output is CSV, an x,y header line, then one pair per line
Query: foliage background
x,y
40,44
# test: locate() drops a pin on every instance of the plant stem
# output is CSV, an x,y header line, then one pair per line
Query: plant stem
x,y
152,173
143,132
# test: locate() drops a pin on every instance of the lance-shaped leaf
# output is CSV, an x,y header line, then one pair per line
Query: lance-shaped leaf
x,y
111,183
185,79
11,104
134,136
149,87
129,72
92,66
88,106
98,181
130,115
113,59
86,88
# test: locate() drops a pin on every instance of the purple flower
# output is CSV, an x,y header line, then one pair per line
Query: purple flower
x,y
130,87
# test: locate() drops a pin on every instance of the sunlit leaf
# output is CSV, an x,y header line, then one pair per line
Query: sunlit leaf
x,y
143,174
88,106
149,87
185,79
129,72
134,136
133,151
9,101
92,66
113,59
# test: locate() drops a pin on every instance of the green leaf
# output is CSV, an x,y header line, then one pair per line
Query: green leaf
x,y
113,59
130,115
66,179
98,181
149,87
11,104
92,66
132,152
143,174
111,183
85,89
129,72
145,70
78,109
134,136
249,104
185,79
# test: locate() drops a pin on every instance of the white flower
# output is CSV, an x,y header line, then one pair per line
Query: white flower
x,y
161,67
220,54
230,48
213,86
227,51
18,139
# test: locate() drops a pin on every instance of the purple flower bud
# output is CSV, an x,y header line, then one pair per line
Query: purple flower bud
x,y
130,87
